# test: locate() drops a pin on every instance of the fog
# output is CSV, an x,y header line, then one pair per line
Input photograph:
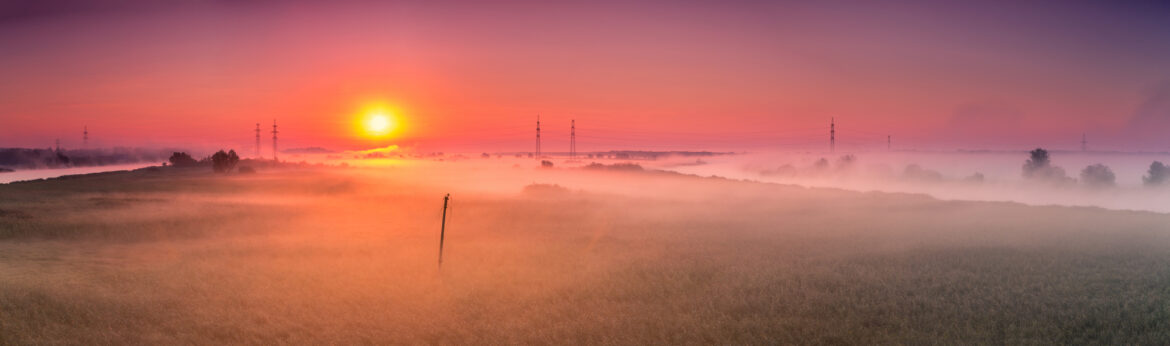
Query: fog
x,y
973,176
575,253
948,175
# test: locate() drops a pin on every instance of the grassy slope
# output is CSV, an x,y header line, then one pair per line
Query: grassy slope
x,y
330,256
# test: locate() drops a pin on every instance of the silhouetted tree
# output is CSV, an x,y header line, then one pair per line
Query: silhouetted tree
x,y
1038,161
1098,176
181,159
224,162
1158,174
1040,167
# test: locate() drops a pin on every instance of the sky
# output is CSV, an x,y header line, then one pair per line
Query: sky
x,y
683,75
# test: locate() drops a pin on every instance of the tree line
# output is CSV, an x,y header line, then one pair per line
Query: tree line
x,y
1039,167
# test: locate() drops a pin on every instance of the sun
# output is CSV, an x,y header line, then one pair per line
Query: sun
x,y
377,122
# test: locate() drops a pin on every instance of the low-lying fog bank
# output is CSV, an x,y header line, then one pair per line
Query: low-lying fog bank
x,y
980,176
1108,180
605,255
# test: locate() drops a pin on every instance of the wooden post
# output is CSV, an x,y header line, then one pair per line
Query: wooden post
x,y
443,229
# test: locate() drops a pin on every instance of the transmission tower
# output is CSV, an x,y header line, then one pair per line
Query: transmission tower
x,y
832,135
538,137
274,132
257,140
573,139
888,146
1084,143
85,137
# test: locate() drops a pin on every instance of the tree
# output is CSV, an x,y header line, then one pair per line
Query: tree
x,y
181,159
223,162
1039,166
1158,174
1038,162
1098,176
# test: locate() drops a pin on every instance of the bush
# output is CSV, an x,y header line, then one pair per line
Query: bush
x,y
246,170
1098,176
1158,174
546,164
222,162
181,159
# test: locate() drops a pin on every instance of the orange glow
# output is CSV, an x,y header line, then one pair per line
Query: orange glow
x,y
378,121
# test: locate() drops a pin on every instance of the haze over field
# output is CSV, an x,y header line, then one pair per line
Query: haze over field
x,y
603,255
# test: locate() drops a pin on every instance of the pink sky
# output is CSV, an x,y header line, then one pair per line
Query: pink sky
x,y
681,76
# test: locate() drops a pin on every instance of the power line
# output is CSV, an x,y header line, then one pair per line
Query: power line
x,y
257,140
274,132
832,135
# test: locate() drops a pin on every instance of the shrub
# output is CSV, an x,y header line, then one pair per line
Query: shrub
x,y
1098,176
246,170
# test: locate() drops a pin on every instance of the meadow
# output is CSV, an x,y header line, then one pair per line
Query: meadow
x,y
556,256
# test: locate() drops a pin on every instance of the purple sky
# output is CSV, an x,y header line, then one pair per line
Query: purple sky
x,y
651,75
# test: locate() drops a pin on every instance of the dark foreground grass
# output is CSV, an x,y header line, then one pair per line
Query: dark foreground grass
x,y
321,256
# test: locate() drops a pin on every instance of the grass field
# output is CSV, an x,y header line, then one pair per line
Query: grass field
x,y
348,256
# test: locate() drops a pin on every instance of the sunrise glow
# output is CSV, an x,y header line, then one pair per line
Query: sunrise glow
x,y
457,172
377,122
